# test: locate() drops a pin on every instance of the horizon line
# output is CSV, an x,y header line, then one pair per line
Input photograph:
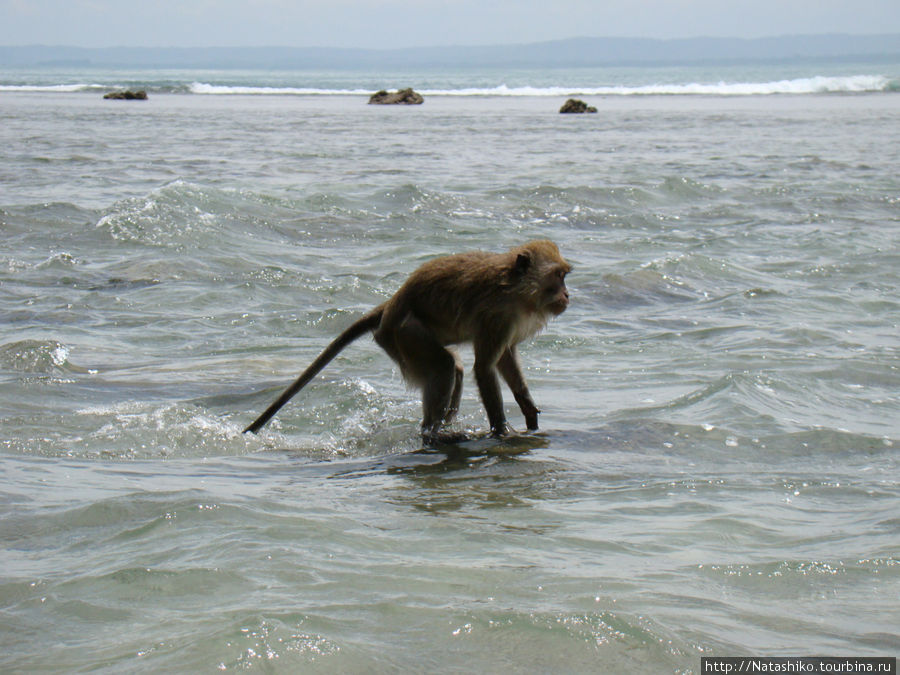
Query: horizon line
x,y
695,38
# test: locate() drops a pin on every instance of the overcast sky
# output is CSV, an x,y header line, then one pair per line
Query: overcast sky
x,y
412,23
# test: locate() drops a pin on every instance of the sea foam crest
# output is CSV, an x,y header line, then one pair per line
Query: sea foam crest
x,y
806,85
225,90
53,88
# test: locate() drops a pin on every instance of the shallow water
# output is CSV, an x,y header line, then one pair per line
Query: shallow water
x,y
717,468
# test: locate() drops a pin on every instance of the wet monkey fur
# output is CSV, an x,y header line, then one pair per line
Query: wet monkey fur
x,y
493,300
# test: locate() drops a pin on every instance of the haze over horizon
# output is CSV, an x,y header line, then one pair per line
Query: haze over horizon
x,y
558,53
371,24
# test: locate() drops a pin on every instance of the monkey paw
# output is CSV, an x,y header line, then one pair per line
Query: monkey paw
x,y
444,437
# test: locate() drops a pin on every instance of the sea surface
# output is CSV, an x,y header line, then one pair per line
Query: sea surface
x,y
717,470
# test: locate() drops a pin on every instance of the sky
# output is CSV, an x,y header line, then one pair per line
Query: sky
x,y
416,23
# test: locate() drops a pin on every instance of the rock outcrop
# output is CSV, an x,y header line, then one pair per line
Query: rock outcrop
x,y
139,95
573,105
403,97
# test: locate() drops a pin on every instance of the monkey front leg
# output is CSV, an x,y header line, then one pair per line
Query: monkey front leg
x,y
489,388
509,368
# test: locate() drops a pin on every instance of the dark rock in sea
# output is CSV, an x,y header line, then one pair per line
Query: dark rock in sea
x,y
403,96
573,105
139,95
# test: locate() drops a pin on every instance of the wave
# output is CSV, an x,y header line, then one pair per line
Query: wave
x,y
810,85
225,90
54,88
807,85
42,357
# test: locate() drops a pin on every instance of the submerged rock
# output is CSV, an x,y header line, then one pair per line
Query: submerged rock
x,y
127,95
573,105
403,96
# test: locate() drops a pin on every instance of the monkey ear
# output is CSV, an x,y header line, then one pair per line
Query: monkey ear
x,y
523,262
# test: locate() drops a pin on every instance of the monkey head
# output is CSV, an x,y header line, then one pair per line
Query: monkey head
x,y
541,270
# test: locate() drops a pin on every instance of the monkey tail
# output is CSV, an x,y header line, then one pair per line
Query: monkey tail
x,y
367,323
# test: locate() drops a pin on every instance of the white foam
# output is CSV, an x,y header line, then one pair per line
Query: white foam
x,y
51,88
807,85
222,90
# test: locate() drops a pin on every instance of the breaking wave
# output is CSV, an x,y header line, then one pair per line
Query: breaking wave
x,y
807,85
53,88
225,90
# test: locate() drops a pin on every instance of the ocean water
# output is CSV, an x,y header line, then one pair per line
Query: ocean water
x,y
717,467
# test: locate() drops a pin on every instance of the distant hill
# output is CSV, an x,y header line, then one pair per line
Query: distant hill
x,y
571,52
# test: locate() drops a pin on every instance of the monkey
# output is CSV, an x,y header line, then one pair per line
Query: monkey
x,y
493,300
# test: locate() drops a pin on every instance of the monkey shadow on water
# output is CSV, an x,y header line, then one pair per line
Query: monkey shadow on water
x,y
439,457
485,445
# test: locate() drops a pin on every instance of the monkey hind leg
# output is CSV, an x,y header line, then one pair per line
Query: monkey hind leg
x,y
437,434
441,391
427,364
456,396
